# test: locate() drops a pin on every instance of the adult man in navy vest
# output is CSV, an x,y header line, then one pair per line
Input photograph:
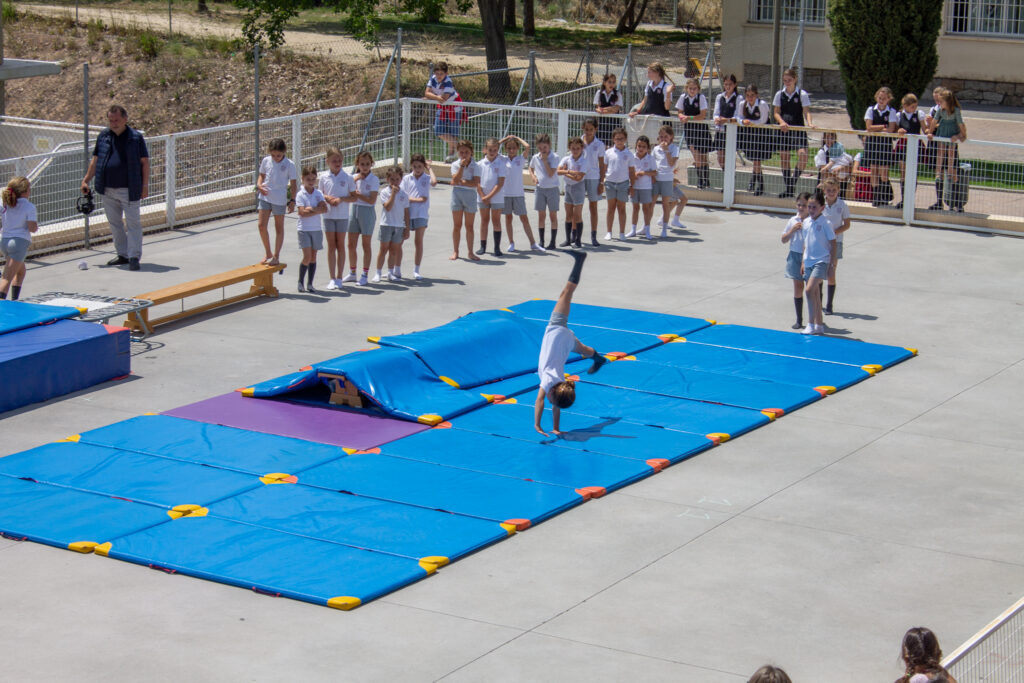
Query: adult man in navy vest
x,y
120,164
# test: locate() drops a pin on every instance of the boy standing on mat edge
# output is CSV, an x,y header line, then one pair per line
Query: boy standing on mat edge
x,y
558,343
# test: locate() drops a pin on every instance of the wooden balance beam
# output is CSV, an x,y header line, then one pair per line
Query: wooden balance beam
x,y
262,277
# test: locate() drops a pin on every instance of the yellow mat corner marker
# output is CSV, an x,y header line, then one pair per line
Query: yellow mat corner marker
x,y
871,369
83,546
449,381
103,549
344,602
279,478
510,529
74,438
678,340
248,391
429,419
912,350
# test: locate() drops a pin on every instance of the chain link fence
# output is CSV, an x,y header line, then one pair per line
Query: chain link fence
x,y
995,653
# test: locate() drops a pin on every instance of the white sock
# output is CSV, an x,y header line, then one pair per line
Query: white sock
x,y
416,269
378,272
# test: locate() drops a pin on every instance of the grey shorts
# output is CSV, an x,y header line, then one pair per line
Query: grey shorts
x,y
417,223
793,263
591,185
464,199
559,319
391,233
276,209
617,191
575,193
362,220
335,225
839,250
515,206
666,188
818,270
492,205
545,199
14,248
642,196
311,239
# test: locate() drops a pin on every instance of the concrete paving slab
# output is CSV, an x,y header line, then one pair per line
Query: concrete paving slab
x,y
987,413
782,455
134,624
587,548
534,657
753,591
978,515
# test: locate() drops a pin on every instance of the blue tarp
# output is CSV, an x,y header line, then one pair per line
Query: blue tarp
x,y
18,315
625,319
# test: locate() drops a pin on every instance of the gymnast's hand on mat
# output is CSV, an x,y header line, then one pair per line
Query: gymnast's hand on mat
x,y
599,360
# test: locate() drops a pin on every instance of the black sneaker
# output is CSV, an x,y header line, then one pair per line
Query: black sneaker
x,y
497,251
566,243
133,264
118,261
481,251
827,311
593,240
302,286
797,325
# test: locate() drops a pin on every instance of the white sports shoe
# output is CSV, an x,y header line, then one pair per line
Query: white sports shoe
x,y
647,232
416,276
819,329
537,247
664,230
391,277
376,277
676,223
351,277
362,280
331,284
338,283
632,232
398,273
511,247
607,237
810,329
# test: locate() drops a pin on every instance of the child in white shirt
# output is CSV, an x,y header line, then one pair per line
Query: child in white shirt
x,y
364,218
276,185
665,154
837,211
620,173
465,181
337,187
19,221
516,155
416,186
646,170
574,169
543,169
593,150
310,204
493,171
394,224
819,252
793,234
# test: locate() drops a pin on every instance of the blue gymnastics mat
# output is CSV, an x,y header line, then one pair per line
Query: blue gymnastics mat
x,y
756,365
332,525
830,349
58,358
18,315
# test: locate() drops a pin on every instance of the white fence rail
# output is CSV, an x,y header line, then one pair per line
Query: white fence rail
x,y
995,654
202,174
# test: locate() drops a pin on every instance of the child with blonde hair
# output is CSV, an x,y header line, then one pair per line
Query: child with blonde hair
x,y
417,184
364,216
18,217
337,186
394,224
516,155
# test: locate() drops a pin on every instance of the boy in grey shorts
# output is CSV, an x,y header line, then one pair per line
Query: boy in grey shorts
x,y
394,224
310,204
543,169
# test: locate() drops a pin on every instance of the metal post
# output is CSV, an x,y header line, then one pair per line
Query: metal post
x,y
170,29
590,75
800,64
776,30
398,94
85,138
910,178
3,84
256,108
170,180
675,13
297,142
406,138
376,101
729,172
627,91
532,76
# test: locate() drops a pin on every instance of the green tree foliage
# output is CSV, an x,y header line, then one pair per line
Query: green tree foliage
x,y
884,43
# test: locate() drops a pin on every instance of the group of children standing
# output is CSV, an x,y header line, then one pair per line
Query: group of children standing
x,y
322,205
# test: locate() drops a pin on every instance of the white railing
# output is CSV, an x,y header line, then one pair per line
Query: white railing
x,y
995,654
202,174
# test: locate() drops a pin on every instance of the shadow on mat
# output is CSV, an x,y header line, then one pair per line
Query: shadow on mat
x,y
855,316
588,433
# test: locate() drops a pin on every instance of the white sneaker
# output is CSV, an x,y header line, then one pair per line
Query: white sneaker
x,y
391,277
511,247
810,329
676,223
376,278
416,275
398,273
647,232
632,232
819,329
362,280
537,247
338,283
607,237
351,277
331,284
664,230
619,238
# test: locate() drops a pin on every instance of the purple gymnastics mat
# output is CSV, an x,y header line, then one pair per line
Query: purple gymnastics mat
x,y
323,425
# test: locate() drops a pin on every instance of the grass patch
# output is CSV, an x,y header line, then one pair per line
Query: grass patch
x,y
10,14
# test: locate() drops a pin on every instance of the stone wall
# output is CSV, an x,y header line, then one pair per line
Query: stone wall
x,y
967,91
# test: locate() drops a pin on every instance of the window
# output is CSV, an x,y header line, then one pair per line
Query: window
x,y
1004,18
762,11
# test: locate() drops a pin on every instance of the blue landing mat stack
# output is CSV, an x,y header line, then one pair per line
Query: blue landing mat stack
x,y
339,526
43,354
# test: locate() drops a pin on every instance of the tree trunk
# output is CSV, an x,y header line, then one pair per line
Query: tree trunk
x,y
498,84
510,15
631,17
202,6
529,29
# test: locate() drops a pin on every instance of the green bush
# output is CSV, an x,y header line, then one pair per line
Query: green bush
x,y
148,44
884,43
9,13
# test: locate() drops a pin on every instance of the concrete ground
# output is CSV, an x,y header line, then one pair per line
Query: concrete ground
x,y
812,543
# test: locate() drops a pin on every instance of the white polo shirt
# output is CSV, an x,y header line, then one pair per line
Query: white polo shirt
x,y
571,163
664,159
395,216
310,200
338,184
836,214
644,164
514,180
817,235
558,343
415,188
490,173
796,240
594,152
367,185
15,219
617,164
276,176
543,179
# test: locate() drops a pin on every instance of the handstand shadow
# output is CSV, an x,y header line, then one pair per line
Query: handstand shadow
x,y
585,434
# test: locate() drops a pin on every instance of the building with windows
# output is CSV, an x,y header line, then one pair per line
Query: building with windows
x,y
981,46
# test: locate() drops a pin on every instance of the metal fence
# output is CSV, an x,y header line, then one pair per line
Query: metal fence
x,y
993,654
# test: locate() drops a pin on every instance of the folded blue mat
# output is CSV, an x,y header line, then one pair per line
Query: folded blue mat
x,y
756,365
624,319
831,349
18,315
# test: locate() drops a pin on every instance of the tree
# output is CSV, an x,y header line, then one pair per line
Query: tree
x,y
884,43
631,17
491,18
529,28
201,6
510,15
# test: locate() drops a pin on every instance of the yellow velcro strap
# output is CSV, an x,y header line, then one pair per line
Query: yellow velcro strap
x,y
871,369
248,391
344,602
825,389
913,351
74,438
678,339
430,419
713,322
187,510
719,437
449,381
509,528
83,546
506,309
103,549
433,563
373,340
279,478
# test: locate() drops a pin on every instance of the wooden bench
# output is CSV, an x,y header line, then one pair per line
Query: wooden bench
x,y
262,285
